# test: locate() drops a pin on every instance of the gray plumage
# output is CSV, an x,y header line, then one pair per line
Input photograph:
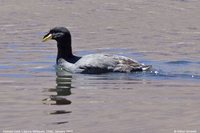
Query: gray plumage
x,y
102,63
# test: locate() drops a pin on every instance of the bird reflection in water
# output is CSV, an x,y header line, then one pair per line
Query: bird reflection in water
x,y
63,89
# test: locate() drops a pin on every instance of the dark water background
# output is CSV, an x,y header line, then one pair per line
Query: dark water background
x,y
165,34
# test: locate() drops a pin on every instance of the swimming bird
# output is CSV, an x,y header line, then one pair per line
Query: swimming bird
x,y
92,63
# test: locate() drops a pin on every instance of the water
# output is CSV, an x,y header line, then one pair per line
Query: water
x,y
164,34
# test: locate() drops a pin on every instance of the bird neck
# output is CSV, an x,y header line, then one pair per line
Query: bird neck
x,y
64,50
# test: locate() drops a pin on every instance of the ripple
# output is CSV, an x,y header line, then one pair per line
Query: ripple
x,y
179,62
16,75
7,67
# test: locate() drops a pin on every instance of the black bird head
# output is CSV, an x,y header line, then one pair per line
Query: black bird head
x,y
60,34
63,38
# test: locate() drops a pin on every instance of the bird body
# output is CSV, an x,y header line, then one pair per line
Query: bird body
x,y
102,63
92,63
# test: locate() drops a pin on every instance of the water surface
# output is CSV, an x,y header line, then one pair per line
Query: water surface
x,y
164,34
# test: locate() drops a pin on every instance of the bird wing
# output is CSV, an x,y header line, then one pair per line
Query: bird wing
x,y
99,63
96,63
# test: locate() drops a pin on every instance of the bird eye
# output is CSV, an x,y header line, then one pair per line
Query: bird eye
x,y
58,35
